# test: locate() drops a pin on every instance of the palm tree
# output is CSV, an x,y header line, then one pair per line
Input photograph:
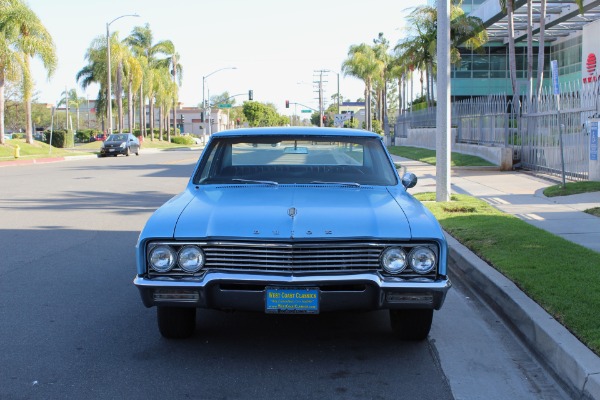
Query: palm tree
x,y
171,62
134,75
96,72
465,31
31,39
381,46
362,63
141,42
11,67
73,101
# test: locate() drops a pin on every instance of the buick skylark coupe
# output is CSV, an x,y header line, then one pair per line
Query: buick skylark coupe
x,y
294,220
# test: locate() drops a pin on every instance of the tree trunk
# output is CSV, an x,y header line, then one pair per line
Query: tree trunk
x,y
130,106
2,140
151,116
27,94
142,112
529,51
511,51
541,50
119,96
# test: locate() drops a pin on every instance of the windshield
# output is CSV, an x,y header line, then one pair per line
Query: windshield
x,y
117,138
296,160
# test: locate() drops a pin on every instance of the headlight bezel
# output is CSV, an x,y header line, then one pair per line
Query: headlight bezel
x,y
411,268
177,250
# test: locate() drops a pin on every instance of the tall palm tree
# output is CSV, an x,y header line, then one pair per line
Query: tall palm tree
x,y
171,62
362,63
381,46
96,72
465,31
142,45
74,100
31,39
134,75
11,67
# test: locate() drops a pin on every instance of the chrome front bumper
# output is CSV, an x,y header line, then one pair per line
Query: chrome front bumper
x,y
235,291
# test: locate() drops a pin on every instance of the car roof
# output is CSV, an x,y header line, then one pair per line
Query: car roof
x,y
294,131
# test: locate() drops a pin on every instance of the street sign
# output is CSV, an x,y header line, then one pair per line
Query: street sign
x,y
224,106
554,71
306,111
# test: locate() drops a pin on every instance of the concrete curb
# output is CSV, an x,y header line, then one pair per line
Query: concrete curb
x,y
569,359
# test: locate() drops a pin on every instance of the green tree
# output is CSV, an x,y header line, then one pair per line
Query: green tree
x,y
363,64
74,100
259,114
11,64
25,33
151,57
419,49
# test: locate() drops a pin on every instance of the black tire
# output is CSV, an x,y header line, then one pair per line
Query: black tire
x,y
412,324
127,152
176,322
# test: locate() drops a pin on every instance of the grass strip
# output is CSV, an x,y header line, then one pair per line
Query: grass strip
x,y
572,188
35,150
563,277
43,150
428,156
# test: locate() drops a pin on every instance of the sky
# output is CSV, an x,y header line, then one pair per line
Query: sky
x,y
276,46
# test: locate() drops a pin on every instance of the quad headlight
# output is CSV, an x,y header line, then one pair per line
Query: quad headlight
x,y
420,259
163,258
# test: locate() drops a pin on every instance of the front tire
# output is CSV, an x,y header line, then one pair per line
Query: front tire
x,y
412,324
176,322
127,152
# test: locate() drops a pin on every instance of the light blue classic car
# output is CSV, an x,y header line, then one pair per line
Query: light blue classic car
x,y
294,220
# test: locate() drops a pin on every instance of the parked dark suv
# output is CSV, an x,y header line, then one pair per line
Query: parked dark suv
x,y
120,143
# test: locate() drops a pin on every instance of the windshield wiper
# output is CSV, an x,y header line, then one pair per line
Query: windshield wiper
x,y
353,184
272,183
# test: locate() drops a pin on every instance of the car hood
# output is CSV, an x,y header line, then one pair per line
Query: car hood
x,y
285,212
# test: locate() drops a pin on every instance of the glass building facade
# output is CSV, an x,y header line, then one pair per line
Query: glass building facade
x,y
486,71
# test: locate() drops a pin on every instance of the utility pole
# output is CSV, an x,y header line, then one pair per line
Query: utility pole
x,y
443,150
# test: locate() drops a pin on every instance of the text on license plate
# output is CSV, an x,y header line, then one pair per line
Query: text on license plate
x,y
292,300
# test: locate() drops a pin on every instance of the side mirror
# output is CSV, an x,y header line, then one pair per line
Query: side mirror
x,y
409,180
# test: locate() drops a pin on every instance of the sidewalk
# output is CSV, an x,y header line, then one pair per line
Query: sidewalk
x,y
520,194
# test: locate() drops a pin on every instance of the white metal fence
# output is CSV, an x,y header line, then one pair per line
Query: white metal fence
x,y
530,129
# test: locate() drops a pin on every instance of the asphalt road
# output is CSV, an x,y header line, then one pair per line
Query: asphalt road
x,y
72,325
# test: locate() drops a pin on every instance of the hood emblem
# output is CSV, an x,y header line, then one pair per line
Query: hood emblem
x,y
292,212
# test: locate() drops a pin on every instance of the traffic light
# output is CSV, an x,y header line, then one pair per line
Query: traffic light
x,y
287,104
250,95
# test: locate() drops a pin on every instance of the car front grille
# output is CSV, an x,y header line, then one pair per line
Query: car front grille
x,y
293,257
297,258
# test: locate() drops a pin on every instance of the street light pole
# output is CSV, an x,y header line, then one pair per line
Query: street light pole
x,y
338,88
204,104
108,89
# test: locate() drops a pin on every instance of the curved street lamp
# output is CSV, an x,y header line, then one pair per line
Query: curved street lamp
x,y
205,106
108,91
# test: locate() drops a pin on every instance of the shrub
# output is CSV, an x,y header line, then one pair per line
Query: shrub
x,y
185,140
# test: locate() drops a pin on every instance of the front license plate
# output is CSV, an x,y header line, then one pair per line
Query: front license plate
x,y
111,149
292,300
